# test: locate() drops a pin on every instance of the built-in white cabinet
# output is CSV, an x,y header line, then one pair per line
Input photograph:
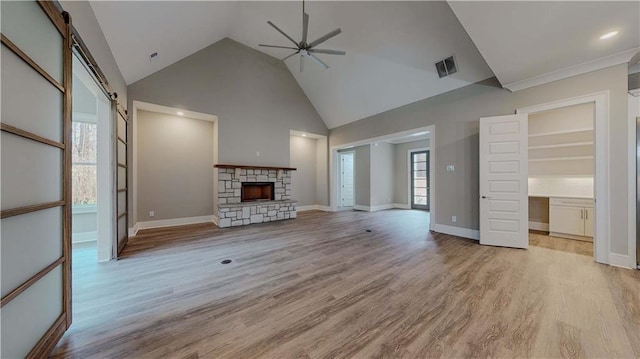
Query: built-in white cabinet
x,y
571,218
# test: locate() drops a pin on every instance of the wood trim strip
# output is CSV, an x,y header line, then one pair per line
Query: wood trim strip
x,y
28,209
54,13
45,345
122,112
31,136
123,243
122,215
67,168
31,281
255,167
121,140
30,62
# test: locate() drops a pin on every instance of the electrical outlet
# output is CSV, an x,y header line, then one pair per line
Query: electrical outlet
x,y
257,153
451,168
454,218
152,213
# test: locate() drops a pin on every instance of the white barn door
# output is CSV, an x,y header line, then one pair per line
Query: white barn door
x,y
504,206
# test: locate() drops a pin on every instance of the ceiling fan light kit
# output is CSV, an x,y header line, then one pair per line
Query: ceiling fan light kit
x,y
304,49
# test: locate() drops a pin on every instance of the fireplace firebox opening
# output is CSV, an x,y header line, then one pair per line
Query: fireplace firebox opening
x,y
257,191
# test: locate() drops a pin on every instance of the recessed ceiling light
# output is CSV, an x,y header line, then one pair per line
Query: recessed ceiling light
x,y
609,35
304,135
180,113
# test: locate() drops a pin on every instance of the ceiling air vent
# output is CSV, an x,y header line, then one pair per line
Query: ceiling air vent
x,y
446,67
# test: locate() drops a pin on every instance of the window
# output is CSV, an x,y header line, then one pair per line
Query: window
x,y
420,180
84,175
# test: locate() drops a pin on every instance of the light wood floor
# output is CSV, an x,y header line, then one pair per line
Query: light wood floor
x,y
321,286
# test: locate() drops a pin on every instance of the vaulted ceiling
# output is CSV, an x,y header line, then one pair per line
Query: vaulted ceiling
x,y
391,46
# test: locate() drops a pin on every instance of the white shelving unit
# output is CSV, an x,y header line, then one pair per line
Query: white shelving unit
x,y
561,153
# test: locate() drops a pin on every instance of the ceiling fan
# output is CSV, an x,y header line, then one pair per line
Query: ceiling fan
x,y
307,49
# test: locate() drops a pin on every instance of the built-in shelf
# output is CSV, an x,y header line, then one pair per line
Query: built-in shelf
x,y
572,144
576,158
561,132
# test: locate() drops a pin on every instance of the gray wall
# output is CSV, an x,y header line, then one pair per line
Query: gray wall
x,y
175,172
401,170
456,117
255,97
303,180
539,209
382,156
362,175
322,171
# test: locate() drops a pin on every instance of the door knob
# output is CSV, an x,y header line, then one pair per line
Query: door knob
x,y
485,197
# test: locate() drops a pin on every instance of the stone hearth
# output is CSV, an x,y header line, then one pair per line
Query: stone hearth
x,y
233,212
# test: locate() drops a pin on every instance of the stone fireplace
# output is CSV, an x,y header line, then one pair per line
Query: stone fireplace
x,y
253,194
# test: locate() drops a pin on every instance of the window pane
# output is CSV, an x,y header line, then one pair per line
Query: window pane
x,y
420,192
421,166
419,157
420,183
84,184
84,142
420,174
420,200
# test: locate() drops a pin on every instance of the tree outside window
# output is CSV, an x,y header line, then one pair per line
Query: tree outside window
x,y
84,175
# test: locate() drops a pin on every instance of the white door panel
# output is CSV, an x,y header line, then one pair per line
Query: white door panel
x,y
503,181
346,179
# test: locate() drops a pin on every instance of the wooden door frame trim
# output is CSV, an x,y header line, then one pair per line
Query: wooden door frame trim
x,y
602,233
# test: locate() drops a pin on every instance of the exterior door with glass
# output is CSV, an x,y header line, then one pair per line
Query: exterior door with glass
x,y
420,180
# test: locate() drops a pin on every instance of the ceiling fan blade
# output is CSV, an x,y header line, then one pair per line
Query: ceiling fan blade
x,y
295,53
328,52
282,32
279,47
325,37
302,62
314,57
305,27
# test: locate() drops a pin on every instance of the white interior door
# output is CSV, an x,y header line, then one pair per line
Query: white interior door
x,y
504,209
346,179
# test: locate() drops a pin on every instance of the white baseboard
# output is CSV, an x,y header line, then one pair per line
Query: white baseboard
x,y
401,206
539,226
133,230
381,207
358,207
620,260
84,237
170,223
313,207
457,231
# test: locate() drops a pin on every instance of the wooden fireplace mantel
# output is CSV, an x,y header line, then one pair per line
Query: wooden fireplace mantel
x,y
255,167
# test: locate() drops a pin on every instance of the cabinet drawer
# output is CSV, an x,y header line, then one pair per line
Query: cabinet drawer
x,y
573,202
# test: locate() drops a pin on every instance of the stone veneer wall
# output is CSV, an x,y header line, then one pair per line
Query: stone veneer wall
x,y
233,212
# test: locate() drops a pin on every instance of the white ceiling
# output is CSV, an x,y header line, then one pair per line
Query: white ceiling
x,y
391,46
525,40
